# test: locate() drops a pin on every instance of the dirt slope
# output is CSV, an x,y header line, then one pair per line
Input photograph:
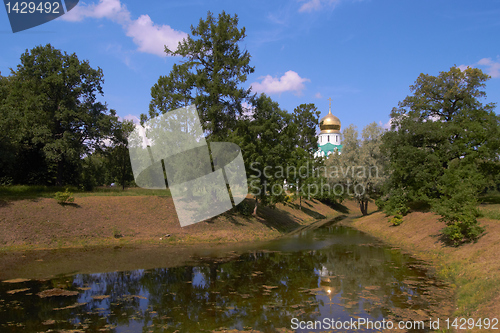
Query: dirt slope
x,y
474,267
43,223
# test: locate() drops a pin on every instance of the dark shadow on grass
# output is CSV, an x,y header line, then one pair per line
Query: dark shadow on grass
x,y
308,211
337,206
4,203
70,204
307,203
279,220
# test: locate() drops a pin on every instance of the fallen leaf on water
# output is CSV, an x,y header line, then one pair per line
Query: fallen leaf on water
x,y
16,280
17,291
100,297
57,292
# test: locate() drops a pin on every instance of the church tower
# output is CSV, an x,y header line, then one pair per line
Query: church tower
x,y
329,138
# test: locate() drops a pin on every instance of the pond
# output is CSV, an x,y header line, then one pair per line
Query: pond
x,y
323,277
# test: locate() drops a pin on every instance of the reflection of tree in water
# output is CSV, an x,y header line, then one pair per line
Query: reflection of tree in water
x,y
379,278
261,290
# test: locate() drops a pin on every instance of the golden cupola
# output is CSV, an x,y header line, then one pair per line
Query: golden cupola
x,y
329,123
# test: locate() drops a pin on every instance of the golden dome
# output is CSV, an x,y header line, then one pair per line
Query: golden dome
x,y
329,123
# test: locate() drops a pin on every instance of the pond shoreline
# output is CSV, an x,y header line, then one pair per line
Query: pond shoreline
x,y
473,269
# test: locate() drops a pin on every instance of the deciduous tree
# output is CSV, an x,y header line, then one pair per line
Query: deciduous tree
x,y
441,131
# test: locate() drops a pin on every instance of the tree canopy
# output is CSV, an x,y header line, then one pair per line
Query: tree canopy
x,y
211,74
52,116
444,142
361,168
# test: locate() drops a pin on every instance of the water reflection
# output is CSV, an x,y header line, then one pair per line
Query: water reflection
x,y
334,272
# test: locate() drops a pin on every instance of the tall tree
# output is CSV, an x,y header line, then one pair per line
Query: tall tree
x,y
302,143
262,139
8,133
212,54
305,122
443,137
360,167
171,92
118,157
54,101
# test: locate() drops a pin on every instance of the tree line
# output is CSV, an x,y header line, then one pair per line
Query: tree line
x,y
441,151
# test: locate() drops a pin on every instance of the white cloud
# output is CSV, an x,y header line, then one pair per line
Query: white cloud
x,y
493,66
387,125
318,95
113,10
131,117
315,5
290,81
148,36
463,67
248,109
152,38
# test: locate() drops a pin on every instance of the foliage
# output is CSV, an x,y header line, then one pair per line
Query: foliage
x,y
395,203
302,142
396,220
172,91
118,164
215,67
457,205
64,197
51,117
244,208
360,168
260,139
442,146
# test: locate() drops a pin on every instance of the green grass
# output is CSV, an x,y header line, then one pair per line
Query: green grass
x,y
19,192
491,211
492,208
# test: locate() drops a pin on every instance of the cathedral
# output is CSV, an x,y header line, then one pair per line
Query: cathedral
x,y
329,139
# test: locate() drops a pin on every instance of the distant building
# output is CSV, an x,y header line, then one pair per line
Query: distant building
x,y
329,140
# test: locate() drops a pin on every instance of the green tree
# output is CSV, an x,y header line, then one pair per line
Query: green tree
x,y
8,133
218,67
261,139
302,142
53,102
305,122
117,156
360,167
171,92
443,138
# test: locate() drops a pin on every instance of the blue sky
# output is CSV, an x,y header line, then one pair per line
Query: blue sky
x,y
364,54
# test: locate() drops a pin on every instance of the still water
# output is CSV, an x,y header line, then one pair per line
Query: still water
x,y
332,273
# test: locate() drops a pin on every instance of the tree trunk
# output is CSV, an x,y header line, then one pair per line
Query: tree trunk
x,y
60,171
255,209
363,206
124,168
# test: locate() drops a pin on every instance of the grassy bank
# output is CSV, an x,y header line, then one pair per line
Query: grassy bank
x,y
22,192
473,268
31,219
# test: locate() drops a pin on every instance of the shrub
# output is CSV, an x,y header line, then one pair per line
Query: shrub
x,y
64,197
457,207
396,203
244,208
396,220
459,232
